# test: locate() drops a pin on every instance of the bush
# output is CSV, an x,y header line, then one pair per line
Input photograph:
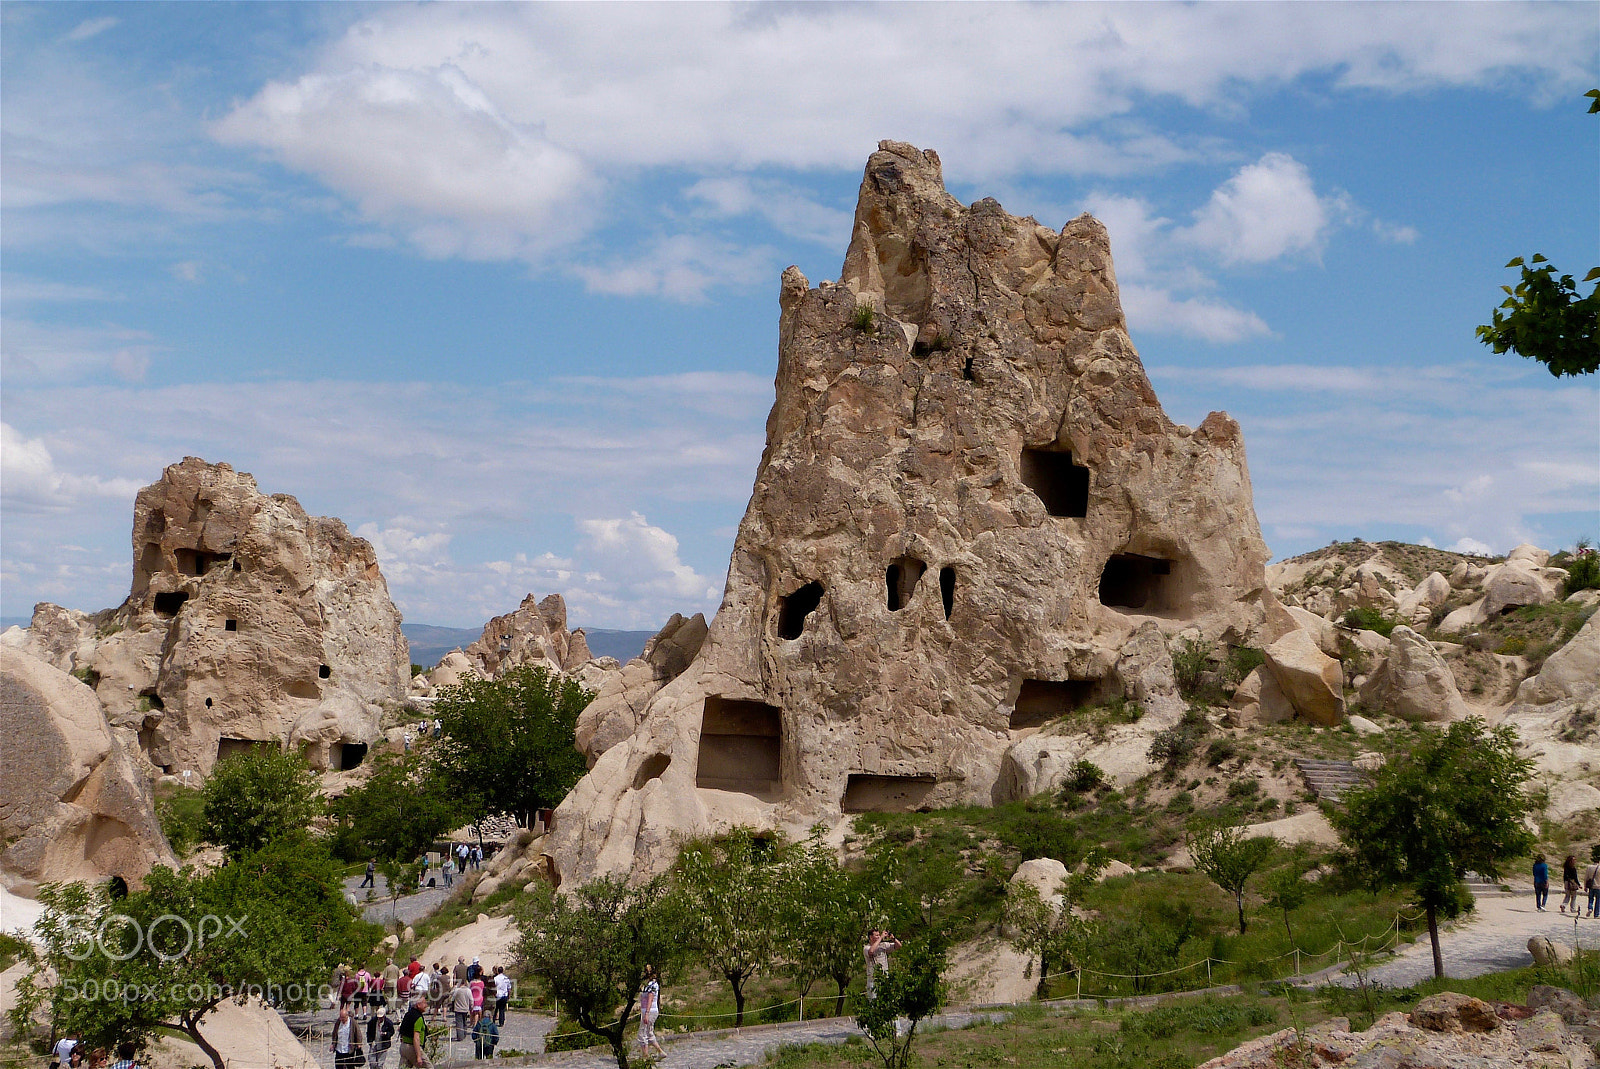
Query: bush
x,y
1583,570
1172,748
1085,776
1242,660
1189,663
254,798
180,811
864,319
1220,751
1365,619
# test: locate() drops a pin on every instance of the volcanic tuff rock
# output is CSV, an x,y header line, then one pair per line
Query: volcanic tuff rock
x,y
969,499
75,807
245,616
614,713
536,633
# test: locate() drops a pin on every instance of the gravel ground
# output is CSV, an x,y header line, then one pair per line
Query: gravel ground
x,y
1493,938
410,908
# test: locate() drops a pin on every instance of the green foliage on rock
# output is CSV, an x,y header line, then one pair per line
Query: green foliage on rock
x,y
1583,569
1456,803
1229,857
181,812
508,742
252,798
1362,618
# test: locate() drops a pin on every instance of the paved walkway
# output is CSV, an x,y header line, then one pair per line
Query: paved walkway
x,y
1493,938
409,908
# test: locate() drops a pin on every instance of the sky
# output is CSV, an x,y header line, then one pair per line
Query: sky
x,y
497,284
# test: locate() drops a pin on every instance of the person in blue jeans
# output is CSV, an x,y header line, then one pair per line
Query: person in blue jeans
x,y
1591,882
1541,882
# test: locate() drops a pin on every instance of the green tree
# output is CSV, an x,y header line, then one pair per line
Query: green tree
x,y
1228,857
1456,802
508,744
1544,318
912,989
253,798
729,894
1051,932
823,907
397,813
1287,890
591,946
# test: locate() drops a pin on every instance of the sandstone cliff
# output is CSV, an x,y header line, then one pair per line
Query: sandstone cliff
x,y
75,807
248,622
969,500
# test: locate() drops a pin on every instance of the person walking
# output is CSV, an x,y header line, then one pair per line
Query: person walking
x,y
1541,882
346,1041
1569,883
370,879
502,995
460,970
475,985
380,1036
461,1009
413,1033
649,1010
485,1036
448,868
391,977
364,983
1591,884
62,1055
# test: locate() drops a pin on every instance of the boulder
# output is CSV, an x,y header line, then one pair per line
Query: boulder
x,y
1557,714
1568,799
248,1034
1452,1012
1312,681
1548,952
969,500
1416,606
1045,875
1513,585
75,806
1573,671
1144,665
1326,635
493,939
614,714
1363,726
1464,618
1530,555
452,668
1414,683
1558,1000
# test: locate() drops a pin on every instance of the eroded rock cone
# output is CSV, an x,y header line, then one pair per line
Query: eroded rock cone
x,y
969,499
248,623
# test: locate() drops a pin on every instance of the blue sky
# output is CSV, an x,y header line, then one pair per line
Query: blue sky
x,y
496,284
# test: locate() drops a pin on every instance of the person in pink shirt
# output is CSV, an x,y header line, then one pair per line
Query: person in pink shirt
x,y
363,988
477,994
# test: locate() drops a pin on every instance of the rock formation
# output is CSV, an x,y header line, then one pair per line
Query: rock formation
x,y
1413,682
614,714
75,807
249,622
969,500
536,633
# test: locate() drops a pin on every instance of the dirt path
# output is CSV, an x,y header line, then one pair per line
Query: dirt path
x,y
1493,938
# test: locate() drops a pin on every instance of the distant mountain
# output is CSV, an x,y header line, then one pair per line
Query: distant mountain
x,y
429,643
14,621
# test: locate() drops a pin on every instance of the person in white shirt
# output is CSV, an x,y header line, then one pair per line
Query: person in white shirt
x,y
502,995
63,1051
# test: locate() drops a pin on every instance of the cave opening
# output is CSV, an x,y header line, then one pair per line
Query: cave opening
x,y
1061,485
741,747
651,768
947,589
1133,581
870,793
351,754
901,579
794,608
1041,701
168,603
230,625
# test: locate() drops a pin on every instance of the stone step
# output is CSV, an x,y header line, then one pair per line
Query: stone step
x,y
1329,779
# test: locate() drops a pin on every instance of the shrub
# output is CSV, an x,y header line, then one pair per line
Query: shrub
x,y
1220,751
180,810
864,319
1513,645
1242,660
1583,570
1244,788
1189,663
1362,618
1085,776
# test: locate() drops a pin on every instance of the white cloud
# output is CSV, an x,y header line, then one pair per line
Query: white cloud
x,y
17,289
1266,211
1312,378
31,482
33,352
1159,311
681,267
478,130
186,270
1471,545
90,28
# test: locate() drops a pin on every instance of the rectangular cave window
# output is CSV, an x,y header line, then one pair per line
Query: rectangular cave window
x,y
794,608
230,625
1042,700
351,754
169,603
323,671
947,589
901,580
150,559
230,747
188,561
1062,485
741,746
867,793
1131,581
